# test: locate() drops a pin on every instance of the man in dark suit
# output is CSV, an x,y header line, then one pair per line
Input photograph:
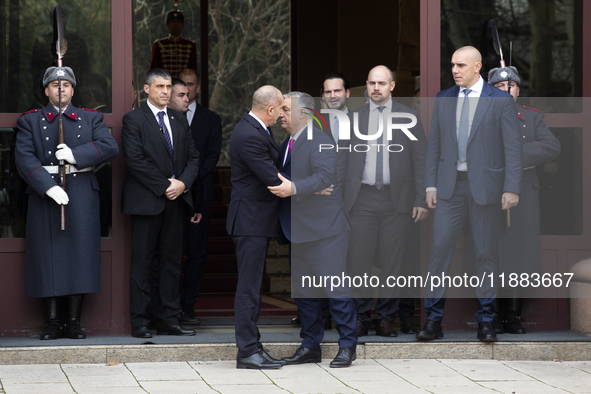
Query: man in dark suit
x,y
252,218
473,165
162,164
206,128
382,190
318,229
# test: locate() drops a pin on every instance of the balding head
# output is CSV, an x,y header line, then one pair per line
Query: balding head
x,y
380,84
266,102
466,63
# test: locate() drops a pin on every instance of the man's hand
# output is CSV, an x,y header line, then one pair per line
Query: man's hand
x,y
57,194
326,192
196,218
509,200
431,199
283,190
419,214
65,153
175,189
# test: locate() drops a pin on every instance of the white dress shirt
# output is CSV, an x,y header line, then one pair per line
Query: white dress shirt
x,y
155,110
260,121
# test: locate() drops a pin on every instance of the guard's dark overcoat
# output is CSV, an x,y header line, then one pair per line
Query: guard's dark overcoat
x,y
519,245
62,262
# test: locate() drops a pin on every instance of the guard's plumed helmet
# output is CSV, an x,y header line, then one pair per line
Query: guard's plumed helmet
x,y
65,73
501,74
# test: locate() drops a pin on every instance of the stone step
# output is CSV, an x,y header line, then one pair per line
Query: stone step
x,y
211,344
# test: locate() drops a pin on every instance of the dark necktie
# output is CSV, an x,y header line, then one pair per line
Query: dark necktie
x,y
166,135
380,156
464,131
288,150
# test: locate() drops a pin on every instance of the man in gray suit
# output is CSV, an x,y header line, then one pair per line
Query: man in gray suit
x,y
473,167
380,199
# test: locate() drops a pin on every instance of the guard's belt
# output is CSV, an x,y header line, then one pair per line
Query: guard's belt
x,y
70,169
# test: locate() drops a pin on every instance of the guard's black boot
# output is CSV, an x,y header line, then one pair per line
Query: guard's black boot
x,y
53,321
497,323
73,311
513,322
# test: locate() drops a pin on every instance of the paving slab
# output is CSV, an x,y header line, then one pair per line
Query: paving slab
x,y
177,387
37,388
163,371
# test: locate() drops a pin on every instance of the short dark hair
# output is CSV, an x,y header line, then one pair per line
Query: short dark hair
x,y
190,70
153,73
335,76
176,81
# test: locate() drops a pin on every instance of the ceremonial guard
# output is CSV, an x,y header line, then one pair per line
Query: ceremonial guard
x,y
63,225
174,53
519,244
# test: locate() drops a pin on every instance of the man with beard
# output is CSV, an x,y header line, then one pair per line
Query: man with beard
x,y
335,92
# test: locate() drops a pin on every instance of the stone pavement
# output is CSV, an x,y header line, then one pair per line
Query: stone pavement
x,y
364,376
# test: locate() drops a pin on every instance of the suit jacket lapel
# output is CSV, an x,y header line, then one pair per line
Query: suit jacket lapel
x,y
261,130
451,105
483,104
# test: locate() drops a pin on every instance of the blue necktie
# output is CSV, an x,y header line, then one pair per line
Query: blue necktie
x,y
464,131
380,157
166,135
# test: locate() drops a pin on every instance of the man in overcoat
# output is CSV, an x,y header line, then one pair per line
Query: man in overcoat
x,y
62,265
519,245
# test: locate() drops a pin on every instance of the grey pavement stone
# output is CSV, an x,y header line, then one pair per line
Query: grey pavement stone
x,y
163,371
51,373
177,387
37,388
482,370
533,387
225,373
249,389
110,390
99,375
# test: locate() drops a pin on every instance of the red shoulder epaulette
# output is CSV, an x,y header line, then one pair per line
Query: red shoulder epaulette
x,y
533,109
29,112
94,110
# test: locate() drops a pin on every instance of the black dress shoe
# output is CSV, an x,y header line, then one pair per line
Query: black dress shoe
x,y
270,359
175,329
72,330
486,332
184,318
431,330
327,323
497,325
52,331
385,328
513,325
344,358
141,332
303,355
256,361
407,326
361,328
296,320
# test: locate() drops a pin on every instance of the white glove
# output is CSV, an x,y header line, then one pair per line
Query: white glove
x,y
58,195
65,153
